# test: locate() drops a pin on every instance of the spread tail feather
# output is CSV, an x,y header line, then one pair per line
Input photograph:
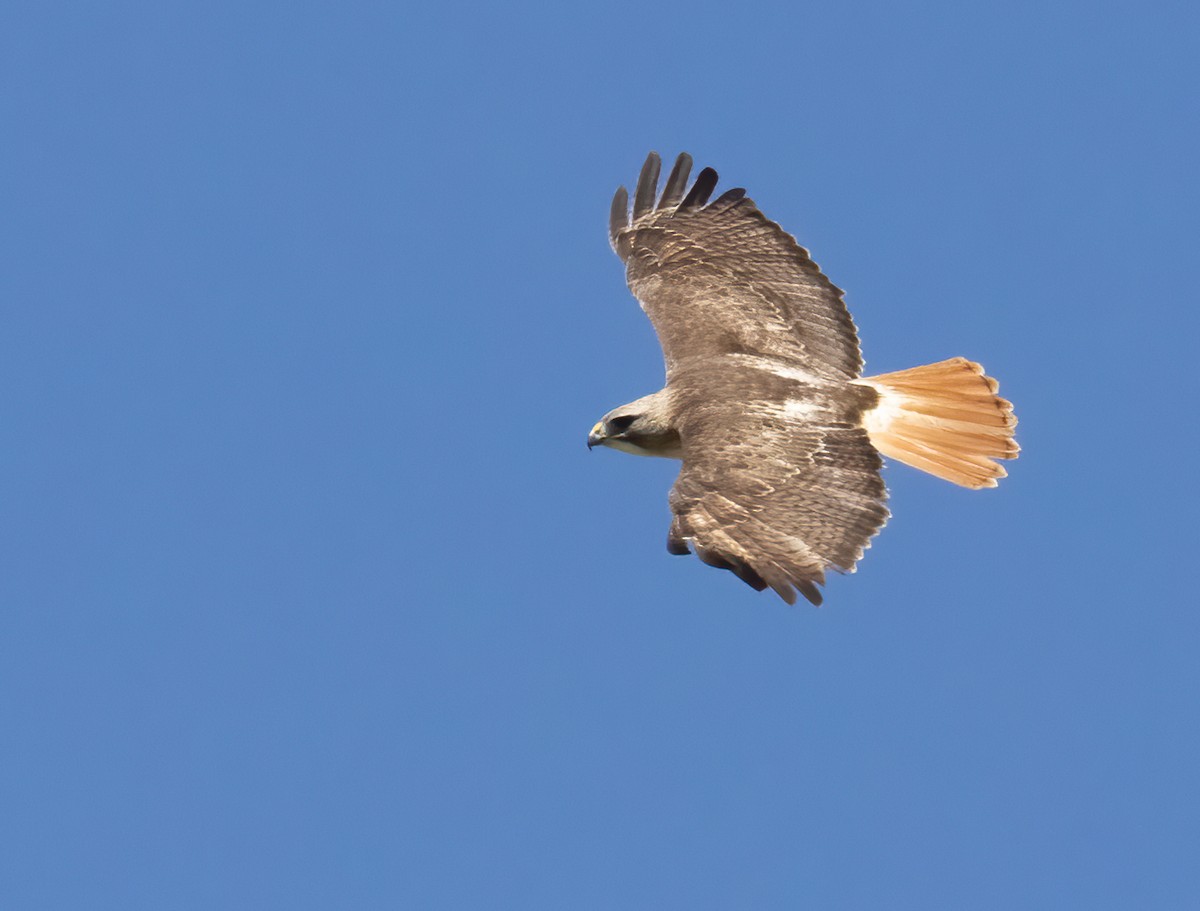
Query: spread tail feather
x,y
943,418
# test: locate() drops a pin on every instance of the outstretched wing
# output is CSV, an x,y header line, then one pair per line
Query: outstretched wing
x,y
776,491
720,278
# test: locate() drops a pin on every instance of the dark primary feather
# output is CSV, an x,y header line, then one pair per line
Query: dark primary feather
x,y
647,186
722,278
618,218
738,567
705,183
728,198
676,182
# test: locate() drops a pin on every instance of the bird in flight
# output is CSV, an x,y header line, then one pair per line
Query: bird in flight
x,y
779,433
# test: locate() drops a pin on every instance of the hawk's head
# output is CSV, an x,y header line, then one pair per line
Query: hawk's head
x,y
640,428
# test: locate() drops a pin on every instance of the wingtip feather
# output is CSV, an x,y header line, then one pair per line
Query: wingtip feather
x,y
618,214
676,182
702,189
647,186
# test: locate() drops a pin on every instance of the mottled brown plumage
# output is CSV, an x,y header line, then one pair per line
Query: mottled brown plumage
x,y
764,400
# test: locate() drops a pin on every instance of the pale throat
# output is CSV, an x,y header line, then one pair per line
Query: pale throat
x,y
665,447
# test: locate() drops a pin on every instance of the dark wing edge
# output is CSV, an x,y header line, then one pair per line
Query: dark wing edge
x,y
784,581
647,202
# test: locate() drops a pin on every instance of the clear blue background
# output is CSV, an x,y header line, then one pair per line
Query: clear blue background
x,y
312,597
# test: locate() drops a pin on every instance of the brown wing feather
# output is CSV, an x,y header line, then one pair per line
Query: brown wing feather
x,y
776,500
721,278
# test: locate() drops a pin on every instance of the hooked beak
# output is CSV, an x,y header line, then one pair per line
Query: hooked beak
x,y
597,436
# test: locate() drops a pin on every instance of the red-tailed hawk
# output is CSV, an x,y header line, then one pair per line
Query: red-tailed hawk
x,y
765,402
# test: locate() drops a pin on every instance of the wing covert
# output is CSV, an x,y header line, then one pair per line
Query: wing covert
x,y
775,499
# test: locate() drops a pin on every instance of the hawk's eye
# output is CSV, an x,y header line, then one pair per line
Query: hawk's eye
x,y
621,424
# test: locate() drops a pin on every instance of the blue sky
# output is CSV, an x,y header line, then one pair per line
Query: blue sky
x,y
311,595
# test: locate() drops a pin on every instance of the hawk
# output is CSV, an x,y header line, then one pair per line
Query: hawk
x,y
779,433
